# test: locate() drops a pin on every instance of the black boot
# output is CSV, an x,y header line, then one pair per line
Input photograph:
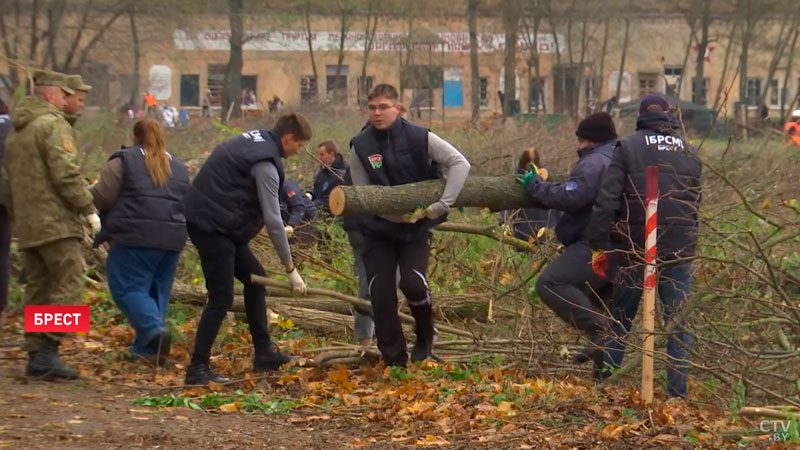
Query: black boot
x,y
423,348
202,374
270,360
46,364
160,346
593,351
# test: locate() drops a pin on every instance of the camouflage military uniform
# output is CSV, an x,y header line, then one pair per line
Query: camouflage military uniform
x,y
47,201
75,82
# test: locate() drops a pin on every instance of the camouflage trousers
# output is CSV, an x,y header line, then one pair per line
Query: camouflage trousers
x,y
54,273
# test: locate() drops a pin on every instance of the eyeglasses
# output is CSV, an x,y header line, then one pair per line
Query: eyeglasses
x,y
381,107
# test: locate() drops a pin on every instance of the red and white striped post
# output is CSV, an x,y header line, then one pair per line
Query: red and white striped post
x,y
649,309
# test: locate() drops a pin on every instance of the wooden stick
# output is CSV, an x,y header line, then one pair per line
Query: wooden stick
x,y
754,411
264,281
649,309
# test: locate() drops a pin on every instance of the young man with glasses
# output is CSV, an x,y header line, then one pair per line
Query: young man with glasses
x,y
391,151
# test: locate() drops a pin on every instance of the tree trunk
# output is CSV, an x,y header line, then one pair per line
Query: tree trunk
x,y
699,95
598,89
510,22
309,38
622,61
474,83
137,56
496,193
369,39
725,64
232,95
787,76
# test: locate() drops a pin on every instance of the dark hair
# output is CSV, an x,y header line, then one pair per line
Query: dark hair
x,y
294,123
330,145
528,156
383,90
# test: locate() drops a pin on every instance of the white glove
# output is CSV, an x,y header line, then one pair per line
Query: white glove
x,y
310,196
298,285
436,210
289,230
94,223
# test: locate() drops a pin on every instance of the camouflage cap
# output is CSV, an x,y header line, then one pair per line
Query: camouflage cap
x,y
75,82
50,78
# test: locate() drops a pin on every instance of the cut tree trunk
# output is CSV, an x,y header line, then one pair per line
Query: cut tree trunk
x,y
495,193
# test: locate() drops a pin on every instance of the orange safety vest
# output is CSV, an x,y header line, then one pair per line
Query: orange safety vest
x,y
793,128
150,100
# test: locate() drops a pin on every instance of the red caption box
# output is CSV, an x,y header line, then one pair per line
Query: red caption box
x,y
61,318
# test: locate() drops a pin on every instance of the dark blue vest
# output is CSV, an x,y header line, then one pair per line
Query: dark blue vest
x,y
398,155
223,198
146,215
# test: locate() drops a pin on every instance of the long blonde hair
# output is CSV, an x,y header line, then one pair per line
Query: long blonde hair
x,y
150,136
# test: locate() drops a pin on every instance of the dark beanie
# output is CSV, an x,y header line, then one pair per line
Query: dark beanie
x,y
653,100
597,127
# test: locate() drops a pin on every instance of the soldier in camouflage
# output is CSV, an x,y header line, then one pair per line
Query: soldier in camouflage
x,y
74,104
49,204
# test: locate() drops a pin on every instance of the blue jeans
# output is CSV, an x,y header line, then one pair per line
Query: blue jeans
x,y
674,287
140,281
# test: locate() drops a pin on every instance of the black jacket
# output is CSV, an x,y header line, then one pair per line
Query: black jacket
x,y
577,195
146,215
392,157
296,208
328,178
657,142
224,198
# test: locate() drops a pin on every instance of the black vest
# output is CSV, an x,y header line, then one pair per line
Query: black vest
x,y
146,215
391,157
223,198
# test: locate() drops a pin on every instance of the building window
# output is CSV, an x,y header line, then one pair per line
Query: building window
x,y
216,82
753,91
672,76
308,88
536,93
777,94
249,96
484,91
365,85
700,98
190,90
588,93
336,85
647,83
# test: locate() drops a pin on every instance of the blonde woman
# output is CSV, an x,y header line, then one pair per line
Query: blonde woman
x,y
140,199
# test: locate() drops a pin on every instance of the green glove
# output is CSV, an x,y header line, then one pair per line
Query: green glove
x,y
528,177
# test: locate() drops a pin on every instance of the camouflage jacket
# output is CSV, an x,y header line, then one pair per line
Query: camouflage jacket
x,y
47,195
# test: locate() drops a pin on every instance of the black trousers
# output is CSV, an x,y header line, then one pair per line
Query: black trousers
x,y
570,288
386,261
5,249
223,259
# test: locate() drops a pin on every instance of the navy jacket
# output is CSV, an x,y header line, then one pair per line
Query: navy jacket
x,y
657,142
328,178
527,222
296,208
146,215
577,195
224,198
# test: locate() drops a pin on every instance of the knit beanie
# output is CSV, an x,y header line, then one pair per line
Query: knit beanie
x,y
598,127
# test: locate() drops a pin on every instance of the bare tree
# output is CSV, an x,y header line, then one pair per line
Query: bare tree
x,y
531,24
232,94
137,55
369,39
622,59
474,84
310,40
345,14
598,87
511,15
788,28
787,75
699,94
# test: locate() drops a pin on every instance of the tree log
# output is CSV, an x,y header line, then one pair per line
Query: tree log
x,y
496,193
264,281
196,295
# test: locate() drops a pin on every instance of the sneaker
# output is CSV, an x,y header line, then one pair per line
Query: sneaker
x,y
202,374
270,361
45,363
